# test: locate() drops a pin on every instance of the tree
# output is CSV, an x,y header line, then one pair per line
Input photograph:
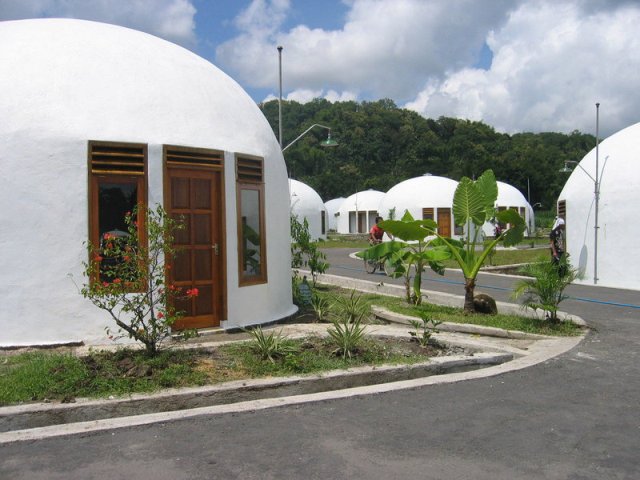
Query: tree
x,y
127,279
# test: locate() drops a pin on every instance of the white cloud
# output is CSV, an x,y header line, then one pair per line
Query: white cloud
x,y
305,95
169,19
552,62
387,48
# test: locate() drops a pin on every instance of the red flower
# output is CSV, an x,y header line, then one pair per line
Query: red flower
x,y
160,315
126,258
192,292
98,258
116,280
105,284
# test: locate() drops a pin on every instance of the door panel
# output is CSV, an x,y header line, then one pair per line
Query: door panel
x,y
444,222
196,200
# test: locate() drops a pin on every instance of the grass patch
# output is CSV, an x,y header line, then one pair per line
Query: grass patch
x,y
456,315
38,376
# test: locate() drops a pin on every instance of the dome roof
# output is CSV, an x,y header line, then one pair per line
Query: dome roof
x,y
510,196
367,200
59,74
427,191
304,198
334,205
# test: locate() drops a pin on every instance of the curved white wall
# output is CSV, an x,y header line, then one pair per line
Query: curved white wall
x,y
333,206
414,194
65,82
364,204
306,203
509,197
618,246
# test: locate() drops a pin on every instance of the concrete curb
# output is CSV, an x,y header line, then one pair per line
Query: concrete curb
x,y
438,298
19,418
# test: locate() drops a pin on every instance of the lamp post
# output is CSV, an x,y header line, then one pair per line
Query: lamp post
x,y
280,97
596,192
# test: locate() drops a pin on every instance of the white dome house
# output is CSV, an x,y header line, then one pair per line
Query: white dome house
x,y
509,197
98,118
333,207
306,203
615,257
358,212
428,196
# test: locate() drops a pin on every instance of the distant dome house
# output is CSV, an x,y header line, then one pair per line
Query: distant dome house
x,y
358,212
306,203
509,197
618,249
427,196
333,207
94,113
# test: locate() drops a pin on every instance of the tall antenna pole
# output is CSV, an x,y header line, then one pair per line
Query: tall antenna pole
x,y
597,197
280,97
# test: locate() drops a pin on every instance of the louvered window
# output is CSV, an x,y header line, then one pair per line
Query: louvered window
x,y
249,169
252,260
427,214
117,185
193,157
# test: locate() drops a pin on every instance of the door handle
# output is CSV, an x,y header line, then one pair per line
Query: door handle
x,y
216,248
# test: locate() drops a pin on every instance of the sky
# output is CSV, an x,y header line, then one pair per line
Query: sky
x,y
517,65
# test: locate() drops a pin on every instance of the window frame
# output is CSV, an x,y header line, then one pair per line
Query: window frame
x,y
95,179
254,182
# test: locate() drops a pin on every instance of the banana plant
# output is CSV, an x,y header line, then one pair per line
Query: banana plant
x,y
411,247
473,205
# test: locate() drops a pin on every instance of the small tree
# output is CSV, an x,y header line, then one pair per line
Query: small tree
x,y
304,252
412,250
545,289
127,279
473,205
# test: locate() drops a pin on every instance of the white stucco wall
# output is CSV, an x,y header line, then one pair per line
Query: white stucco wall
x,y
366,201
414,194
333,206
509,196
65,82
618,246
306,203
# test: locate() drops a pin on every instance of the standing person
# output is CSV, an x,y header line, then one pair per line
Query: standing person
x,y
556,241
376,233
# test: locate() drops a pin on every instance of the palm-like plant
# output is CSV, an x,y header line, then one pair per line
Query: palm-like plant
x,y
473,205
414,249
544,290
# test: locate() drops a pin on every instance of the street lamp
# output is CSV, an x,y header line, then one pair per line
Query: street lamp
x,y
329,142
596,192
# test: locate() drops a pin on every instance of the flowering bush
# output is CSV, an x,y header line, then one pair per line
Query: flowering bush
x,y
126,278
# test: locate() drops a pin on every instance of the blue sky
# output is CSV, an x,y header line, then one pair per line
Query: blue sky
x,y
518,65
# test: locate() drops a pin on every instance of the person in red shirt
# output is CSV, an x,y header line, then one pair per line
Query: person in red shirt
x,y
376,233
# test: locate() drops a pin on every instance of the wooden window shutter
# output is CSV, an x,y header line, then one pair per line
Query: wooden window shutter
x,y
117,158
193,157
427,213
249,170
562,209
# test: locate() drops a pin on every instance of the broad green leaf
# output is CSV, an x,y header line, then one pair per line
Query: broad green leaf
x,y
489,188
515,233
468,203
381,250
406,230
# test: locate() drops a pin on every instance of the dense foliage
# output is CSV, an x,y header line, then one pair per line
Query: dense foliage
x,y
381,145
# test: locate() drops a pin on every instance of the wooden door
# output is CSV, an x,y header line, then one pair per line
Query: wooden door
x,y
195,197
444,222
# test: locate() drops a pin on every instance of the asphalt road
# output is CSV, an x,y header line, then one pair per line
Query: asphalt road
x,y
576,416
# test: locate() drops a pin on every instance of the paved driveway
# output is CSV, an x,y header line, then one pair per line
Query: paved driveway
x,y
576,416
